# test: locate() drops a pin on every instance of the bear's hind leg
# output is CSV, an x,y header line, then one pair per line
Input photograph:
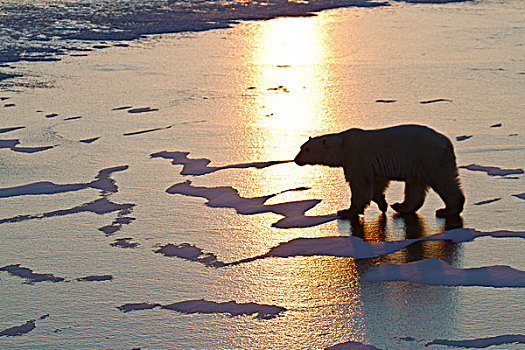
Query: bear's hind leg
x,y
380,186
415,193
448,189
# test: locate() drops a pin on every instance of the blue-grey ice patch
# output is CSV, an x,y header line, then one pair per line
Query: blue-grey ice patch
x,y
116,225
519,195
29,275
488,201
33,277
263,311
18,330
124,243
352,345
435,101
95,278
199,166
233,308
90,140
493,170
13,146
142,110
463,137
4,130
190,252
72,118
146,131
481,342
437,272
137,306
228,197
103,182
99,206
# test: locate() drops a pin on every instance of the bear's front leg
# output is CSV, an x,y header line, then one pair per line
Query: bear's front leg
x,y
362,193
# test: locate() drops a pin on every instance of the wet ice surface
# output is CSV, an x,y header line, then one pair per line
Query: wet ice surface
x,y
251,226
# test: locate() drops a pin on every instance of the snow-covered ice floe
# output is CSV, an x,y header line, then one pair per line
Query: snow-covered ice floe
x,y
199,166
228,197
202,306
437,272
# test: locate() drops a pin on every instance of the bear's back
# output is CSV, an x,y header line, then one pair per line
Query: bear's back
x,y
401,152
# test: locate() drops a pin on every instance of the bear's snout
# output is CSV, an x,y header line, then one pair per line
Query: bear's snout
x,y
298,160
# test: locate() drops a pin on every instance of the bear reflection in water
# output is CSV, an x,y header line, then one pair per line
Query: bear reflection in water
x,y
415,154
410,227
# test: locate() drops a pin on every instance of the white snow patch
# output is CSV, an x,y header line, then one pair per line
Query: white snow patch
x,y
437,272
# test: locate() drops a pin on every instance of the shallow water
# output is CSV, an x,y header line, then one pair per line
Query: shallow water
x,y
255,93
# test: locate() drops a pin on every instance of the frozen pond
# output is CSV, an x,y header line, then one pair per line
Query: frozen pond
x,y
147,198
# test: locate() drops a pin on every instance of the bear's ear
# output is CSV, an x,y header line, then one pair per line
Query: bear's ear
x,y
309,138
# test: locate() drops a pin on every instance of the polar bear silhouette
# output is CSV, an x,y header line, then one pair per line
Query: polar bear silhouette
x,y
415,154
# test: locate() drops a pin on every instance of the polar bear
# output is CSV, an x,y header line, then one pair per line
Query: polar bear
x,y
415,154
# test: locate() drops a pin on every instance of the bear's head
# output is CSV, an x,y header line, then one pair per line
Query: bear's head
x,y
321,150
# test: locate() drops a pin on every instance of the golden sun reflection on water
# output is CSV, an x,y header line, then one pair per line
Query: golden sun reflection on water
x,y
286,100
